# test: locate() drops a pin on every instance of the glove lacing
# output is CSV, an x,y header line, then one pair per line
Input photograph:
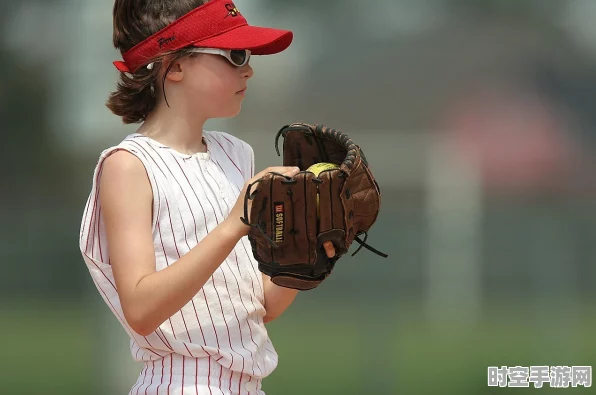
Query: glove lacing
x,y
245,220
258,225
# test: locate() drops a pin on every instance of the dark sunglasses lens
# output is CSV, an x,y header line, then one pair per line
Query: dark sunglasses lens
x,y
238,57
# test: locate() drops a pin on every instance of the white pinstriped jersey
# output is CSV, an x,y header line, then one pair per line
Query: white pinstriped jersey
x,y
220,331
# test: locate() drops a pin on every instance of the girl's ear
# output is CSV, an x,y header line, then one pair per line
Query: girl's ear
x,y
175,72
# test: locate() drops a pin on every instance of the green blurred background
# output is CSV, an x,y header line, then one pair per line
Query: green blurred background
x,y
477,118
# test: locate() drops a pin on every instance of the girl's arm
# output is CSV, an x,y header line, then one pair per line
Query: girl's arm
x,y
149,297
277,299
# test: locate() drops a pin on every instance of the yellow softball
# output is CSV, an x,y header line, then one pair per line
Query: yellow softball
x,y
317,168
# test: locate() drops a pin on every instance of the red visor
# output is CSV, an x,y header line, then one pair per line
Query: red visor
x,y
216,24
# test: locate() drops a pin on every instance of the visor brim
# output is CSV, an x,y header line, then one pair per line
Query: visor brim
x,y
259,40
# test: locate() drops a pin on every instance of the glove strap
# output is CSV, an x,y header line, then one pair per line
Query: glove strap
x,y
247,196
363,244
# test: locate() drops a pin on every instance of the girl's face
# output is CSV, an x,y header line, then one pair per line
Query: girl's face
x,y
212,86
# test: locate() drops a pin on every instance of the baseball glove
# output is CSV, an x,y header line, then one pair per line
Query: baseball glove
x,y
288,229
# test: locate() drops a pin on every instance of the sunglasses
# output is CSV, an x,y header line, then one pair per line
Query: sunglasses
x,y
238,57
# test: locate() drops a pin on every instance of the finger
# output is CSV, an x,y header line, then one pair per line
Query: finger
x,y
286,170
291,171
329,249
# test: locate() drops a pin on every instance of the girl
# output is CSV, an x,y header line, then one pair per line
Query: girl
x,y
161,233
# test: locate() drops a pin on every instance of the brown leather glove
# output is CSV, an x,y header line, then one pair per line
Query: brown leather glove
x,y
286,233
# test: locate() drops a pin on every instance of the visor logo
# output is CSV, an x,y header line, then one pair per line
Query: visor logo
x,y
165,40
232,10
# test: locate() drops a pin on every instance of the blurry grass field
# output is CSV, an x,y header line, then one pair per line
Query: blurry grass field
x,y
405,355
47,349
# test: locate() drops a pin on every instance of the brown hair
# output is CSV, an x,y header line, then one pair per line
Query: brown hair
x,y
134,21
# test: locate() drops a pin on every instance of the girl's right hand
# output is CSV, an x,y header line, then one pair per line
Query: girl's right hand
x,y
238,210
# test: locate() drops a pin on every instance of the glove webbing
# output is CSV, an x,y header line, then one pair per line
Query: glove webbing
x,y
329,134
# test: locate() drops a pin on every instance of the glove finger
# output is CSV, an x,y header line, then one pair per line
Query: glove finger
x,y
297,224
283,220
331,210
334,221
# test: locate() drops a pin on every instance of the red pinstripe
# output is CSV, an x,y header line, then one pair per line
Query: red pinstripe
x,y
91,227
164,340
85,214
220,374
99,232
144,373
152,373
189,353
171,371
137,384
161,377
231,160
208,374
225,137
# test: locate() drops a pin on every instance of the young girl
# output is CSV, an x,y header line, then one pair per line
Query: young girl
x,y
161,233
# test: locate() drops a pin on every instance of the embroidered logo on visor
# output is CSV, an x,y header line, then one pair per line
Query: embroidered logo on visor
x,y
164,40
232,10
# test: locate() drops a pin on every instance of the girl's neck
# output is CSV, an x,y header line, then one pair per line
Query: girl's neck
x,y
181,133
